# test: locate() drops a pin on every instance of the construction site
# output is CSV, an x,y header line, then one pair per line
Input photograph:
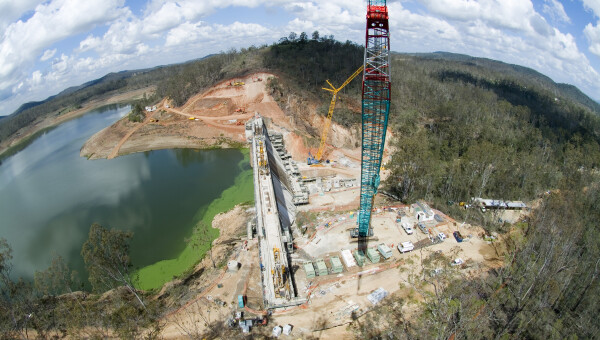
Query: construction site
x,y
321,245
317,275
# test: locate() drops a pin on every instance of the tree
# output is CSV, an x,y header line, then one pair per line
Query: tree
x,y
303,37
16,307
315,35
106,257
293,36
57,279
137,113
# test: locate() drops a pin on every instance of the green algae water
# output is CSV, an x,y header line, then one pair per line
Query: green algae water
x,y
50,196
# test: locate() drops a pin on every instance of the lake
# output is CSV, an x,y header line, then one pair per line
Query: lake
x,y
50,196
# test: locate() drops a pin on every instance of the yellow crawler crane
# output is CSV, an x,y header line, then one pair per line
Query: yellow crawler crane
x,y
278,273
262,159
317,159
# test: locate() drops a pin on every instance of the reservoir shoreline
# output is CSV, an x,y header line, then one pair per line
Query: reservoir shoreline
x,y
228,197
203,234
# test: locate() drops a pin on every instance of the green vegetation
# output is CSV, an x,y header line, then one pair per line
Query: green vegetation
x,y
464,131
200,242
136,114
106,257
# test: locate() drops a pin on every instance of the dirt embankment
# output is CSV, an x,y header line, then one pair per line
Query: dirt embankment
x,y
58,118
217,117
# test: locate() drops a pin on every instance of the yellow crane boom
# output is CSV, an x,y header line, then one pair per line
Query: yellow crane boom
x,y
331,108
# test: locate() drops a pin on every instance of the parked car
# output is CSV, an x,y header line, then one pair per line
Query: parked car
x,y
441,237
407,228
405,247
422,227
457,236
457,262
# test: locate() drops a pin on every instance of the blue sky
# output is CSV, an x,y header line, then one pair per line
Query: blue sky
x,y
47,46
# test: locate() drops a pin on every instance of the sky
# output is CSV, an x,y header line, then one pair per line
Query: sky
x,y
47,46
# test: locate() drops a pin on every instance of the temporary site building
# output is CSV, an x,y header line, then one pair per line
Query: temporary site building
x,y
336,265
373,255
310,270
321,268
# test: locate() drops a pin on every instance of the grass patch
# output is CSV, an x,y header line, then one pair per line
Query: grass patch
x,y
157,274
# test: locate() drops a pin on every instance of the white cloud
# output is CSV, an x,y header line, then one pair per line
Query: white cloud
x,y
48,54
12,10
556,11
592,5
36,78
89,43
540,26
187,33
22,42
512,14
592,33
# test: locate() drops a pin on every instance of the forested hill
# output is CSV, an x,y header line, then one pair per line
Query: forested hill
x,y
521,74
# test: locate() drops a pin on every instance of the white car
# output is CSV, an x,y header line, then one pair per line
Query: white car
x,y
441,237
405,247
407,228
457,262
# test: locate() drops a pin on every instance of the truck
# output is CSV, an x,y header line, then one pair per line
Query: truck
x,y
459,238
405,247
441,237
407,228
